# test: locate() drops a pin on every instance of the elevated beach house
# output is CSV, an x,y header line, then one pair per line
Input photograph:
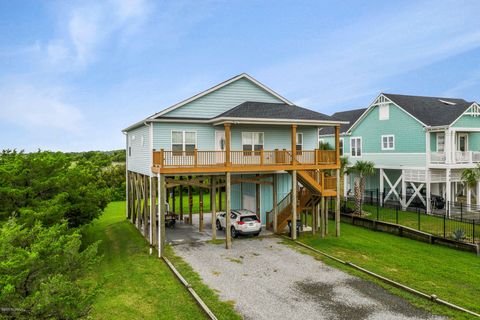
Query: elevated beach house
x,y
420,146
239,138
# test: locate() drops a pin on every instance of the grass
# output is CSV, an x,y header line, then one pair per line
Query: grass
x,y
426,223
450,274
135,284
195,202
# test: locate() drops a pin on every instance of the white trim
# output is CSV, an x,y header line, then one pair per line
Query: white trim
x,y
216,87
183,138
463,113
388,142
364,114
361,147
219,121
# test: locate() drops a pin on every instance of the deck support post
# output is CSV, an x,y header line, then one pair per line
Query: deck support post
x,y
162,197
227,144
213,206
314,219
478,193
327,202
200,206
275,202
337,206
151,211
228,234
257,202
322,216
146,210
404,191
294,202
180,190
154,214
448,191
190,204
174,206
382,187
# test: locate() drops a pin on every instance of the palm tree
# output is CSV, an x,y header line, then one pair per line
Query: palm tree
x,y
471,176
364,169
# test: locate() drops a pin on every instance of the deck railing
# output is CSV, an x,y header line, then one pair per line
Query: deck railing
x,y
459,157
196,158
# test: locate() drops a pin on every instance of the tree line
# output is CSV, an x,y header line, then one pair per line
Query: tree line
x,y
46,198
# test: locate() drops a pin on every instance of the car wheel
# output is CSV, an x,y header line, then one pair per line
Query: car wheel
x,y
219,225
257,234
234,232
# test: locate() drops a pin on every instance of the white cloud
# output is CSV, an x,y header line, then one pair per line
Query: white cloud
x,y
37,107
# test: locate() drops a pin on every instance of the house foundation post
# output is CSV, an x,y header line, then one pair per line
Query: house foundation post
x,y
228,234
162,197
275,202
322,216
213,205
294,205
200,206
337,206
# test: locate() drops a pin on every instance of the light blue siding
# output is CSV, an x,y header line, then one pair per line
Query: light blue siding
x,y
467,121
162,133
223,99
139,142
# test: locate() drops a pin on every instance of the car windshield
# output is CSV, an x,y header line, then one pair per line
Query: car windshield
x,y
248,218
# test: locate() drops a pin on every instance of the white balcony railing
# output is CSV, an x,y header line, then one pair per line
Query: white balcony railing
x,y
459,157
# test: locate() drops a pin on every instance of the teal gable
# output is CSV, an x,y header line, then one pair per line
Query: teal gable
x,y
224,99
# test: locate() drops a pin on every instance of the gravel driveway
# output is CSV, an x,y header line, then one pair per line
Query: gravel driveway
x,y
269,280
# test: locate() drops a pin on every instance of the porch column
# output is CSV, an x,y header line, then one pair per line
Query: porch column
x,y
478,193
294,144
314,219
227,144
448,146
153,217
162,197
469,197
257,202
213,205
427,146
322,216
152,209
448,190
200,210
180,190
404,191
337,145
294,203
382,187
337,206
275,202
228,234
428,191
345,185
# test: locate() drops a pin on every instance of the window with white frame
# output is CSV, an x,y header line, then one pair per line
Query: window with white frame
x,y
356,146
299,143
388,142
341,146
184,141
440,141
384,112
252,141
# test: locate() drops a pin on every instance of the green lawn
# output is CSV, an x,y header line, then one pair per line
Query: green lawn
x,y
195,203
136,285
450,274
426,223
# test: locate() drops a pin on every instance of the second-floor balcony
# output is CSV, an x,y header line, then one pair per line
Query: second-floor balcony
x,y
242,161
458,157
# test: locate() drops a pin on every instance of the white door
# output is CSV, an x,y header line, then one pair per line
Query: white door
x,y
220,146
248,202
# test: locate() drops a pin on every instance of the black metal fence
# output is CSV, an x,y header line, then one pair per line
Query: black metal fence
x,y
454,221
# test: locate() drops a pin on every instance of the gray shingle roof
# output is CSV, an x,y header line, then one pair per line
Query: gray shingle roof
x,y
431,110
349,115
263,110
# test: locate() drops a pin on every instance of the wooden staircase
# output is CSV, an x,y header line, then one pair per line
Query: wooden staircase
x,y
307,195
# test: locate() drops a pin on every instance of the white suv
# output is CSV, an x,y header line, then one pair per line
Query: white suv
x,y
241,222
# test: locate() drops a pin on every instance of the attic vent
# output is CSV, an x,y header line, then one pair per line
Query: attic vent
x,y
447,102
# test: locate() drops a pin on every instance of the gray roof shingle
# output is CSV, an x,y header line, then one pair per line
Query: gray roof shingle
x,y
431,110
263,110
350,115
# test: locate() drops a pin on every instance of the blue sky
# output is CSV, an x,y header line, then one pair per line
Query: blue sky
x,y
73,74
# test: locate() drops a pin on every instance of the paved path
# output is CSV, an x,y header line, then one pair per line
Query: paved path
x,y
269,280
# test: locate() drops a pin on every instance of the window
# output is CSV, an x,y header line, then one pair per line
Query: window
x,y
388,142
299,143
184,141
252,141
440,142
341,146
384,112
356,146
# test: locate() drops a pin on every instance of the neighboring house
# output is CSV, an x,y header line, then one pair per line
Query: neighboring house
x,y
239,135
416,143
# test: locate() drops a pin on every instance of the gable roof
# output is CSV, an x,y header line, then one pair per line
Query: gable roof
x,y
432,111
350,115
216,87
264,110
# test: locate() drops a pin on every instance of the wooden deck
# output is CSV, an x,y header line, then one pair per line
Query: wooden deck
x,y
198,161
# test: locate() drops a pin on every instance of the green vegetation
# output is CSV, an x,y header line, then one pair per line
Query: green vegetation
x,y
135,284
195,202
45,200
450,274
